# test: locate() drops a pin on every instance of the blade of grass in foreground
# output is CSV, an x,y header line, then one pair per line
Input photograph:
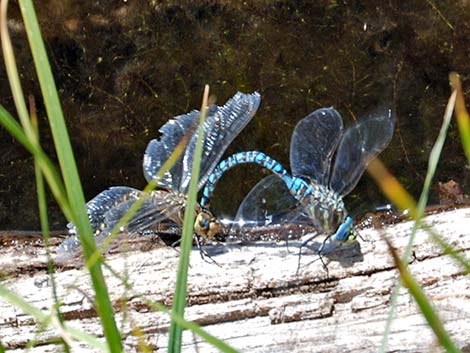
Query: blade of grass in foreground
x,y
69,172
193,327
425,306
189,325
13,76
44,319
42,204
179,298
447,249
47,167
379,173
463,120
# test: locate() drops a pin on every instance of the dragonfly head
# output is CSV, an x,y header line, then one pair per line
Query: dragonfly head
x,y
206,225
345,234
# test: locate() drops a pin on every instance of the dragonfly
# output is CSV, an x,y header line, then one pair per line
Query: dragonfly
x,y
165,206
326,163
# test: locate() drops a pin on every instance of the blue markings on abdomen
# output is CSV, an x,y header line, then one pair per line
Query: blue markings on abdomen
x,y
241,158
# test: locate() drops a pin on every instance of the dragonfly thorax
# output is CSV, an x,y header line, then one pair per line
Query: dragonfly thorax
x,y
325,207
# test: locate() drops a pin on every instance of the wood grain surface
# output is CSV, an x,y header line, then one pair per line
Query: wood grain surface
x,y
256,298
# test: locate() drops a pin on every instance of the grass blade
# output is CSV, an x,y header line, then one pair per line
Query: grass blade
x,y
447,249
47,167
179,298
42,204
425,306
44,319
383,180
73,188
392,188
463,120
13,76
193,327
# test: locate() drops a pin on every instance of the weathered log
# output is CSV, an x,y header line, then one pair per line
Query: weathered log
x,y
255,299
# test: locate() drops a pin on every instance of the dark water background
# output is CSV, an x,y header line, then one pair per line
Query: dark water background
x,y
124,68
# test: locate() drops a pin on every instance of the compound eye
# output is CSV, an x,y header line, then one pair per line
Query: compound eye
x,y
204,223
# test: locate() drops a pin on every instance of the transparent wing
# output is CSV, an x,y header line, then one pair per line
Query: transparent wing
x,y
221,126
102,203
266,202
158,150
159,206
269,204
313,143
359,145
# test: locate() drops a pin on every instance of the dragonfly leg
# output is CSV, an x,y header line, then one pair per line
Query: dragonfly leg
x,y
319,251
287,244
304,243
204,255
176,243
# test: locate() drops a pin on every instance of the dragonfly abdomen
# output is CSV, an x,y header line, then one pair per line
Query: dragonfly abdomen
x,y
256,157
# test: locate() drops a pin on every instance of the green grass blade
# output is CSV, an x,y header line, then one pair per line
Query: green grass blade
x,y
192,326
44,319
47,167
69,171
417,213
179,298
425,306
463,119
434,157
222,346
13,76
447,249
42,204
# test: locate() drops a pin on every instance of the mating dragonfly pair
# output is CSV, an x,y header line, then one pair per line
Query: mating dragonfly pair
x,y
312,195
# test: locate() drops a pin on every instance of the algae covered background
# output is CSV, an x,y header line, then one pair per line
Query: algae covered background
x,y
123,68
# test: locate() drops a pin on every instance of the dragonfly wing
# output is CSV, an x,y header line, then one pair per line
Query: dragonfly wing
x,y
266,202
158,206
359,145
268,208
314,140
102,203
158,150
270,212
221,126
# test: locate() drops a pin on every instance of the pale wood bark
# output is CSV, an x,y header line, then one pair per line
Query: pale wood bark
x,y
255,300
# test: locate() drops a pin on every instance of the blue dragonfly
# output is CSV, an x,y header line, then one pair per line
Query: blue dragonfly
x,y
165,206
326,165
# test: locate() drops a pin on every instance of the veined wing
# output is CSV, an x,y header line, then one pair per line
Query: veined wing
x,y
314,140
102,203
269,204
158,206
221,126
158,150
359,145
